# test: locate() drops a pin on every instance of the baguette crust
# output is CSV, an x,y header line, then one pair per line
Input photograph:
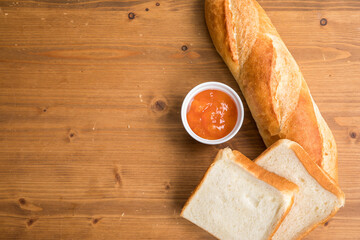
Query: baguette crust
x,y
316,172
269,78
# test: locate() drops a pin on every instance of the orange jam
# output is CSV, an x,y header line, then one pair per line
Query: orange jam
x,y
212,114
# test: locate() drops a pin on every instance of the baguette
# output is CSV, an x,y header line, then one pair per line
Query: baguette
x,y
270,79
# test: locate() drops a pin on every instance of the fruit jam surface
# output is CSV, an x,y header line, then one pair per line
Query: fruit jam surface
x,y
212,114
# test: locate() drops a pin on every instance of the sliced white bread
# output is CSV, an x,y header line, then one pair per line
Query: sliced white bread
x,y
237,199
319,197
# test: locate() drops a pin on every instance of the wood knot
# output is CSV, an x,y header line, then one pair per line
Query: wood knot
x,y
22,201
157,4
30,222
184,48
147,9
327,223
96,220
117,176
353,134
72,135
27,205
167,186
159,105
131,15
323,22
43,109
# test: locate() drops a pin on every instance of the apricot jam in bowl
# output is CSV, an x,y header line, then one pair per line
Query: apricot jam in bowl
x,y
212,113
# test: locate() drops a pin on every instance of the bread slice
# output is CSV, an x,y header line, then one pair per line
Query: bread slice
x,y
319,196
237,199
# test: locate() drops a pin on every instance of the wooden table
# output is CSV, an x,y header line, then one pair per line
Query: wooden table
x,y
91,141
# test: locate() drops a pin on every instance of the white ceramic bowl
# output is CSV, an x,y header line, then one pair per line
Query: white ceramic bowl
x,y
212,86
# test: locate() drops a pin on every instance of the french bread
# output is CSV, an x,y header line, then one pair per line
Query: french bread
x,y
237,199
269,78
319,196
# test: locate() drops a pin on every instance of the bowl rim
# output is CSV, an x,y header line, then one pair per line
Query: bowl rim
x,y
212,86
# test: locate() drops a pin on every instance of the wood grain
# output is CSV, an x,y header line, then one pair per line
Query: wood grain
x,y
91,141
